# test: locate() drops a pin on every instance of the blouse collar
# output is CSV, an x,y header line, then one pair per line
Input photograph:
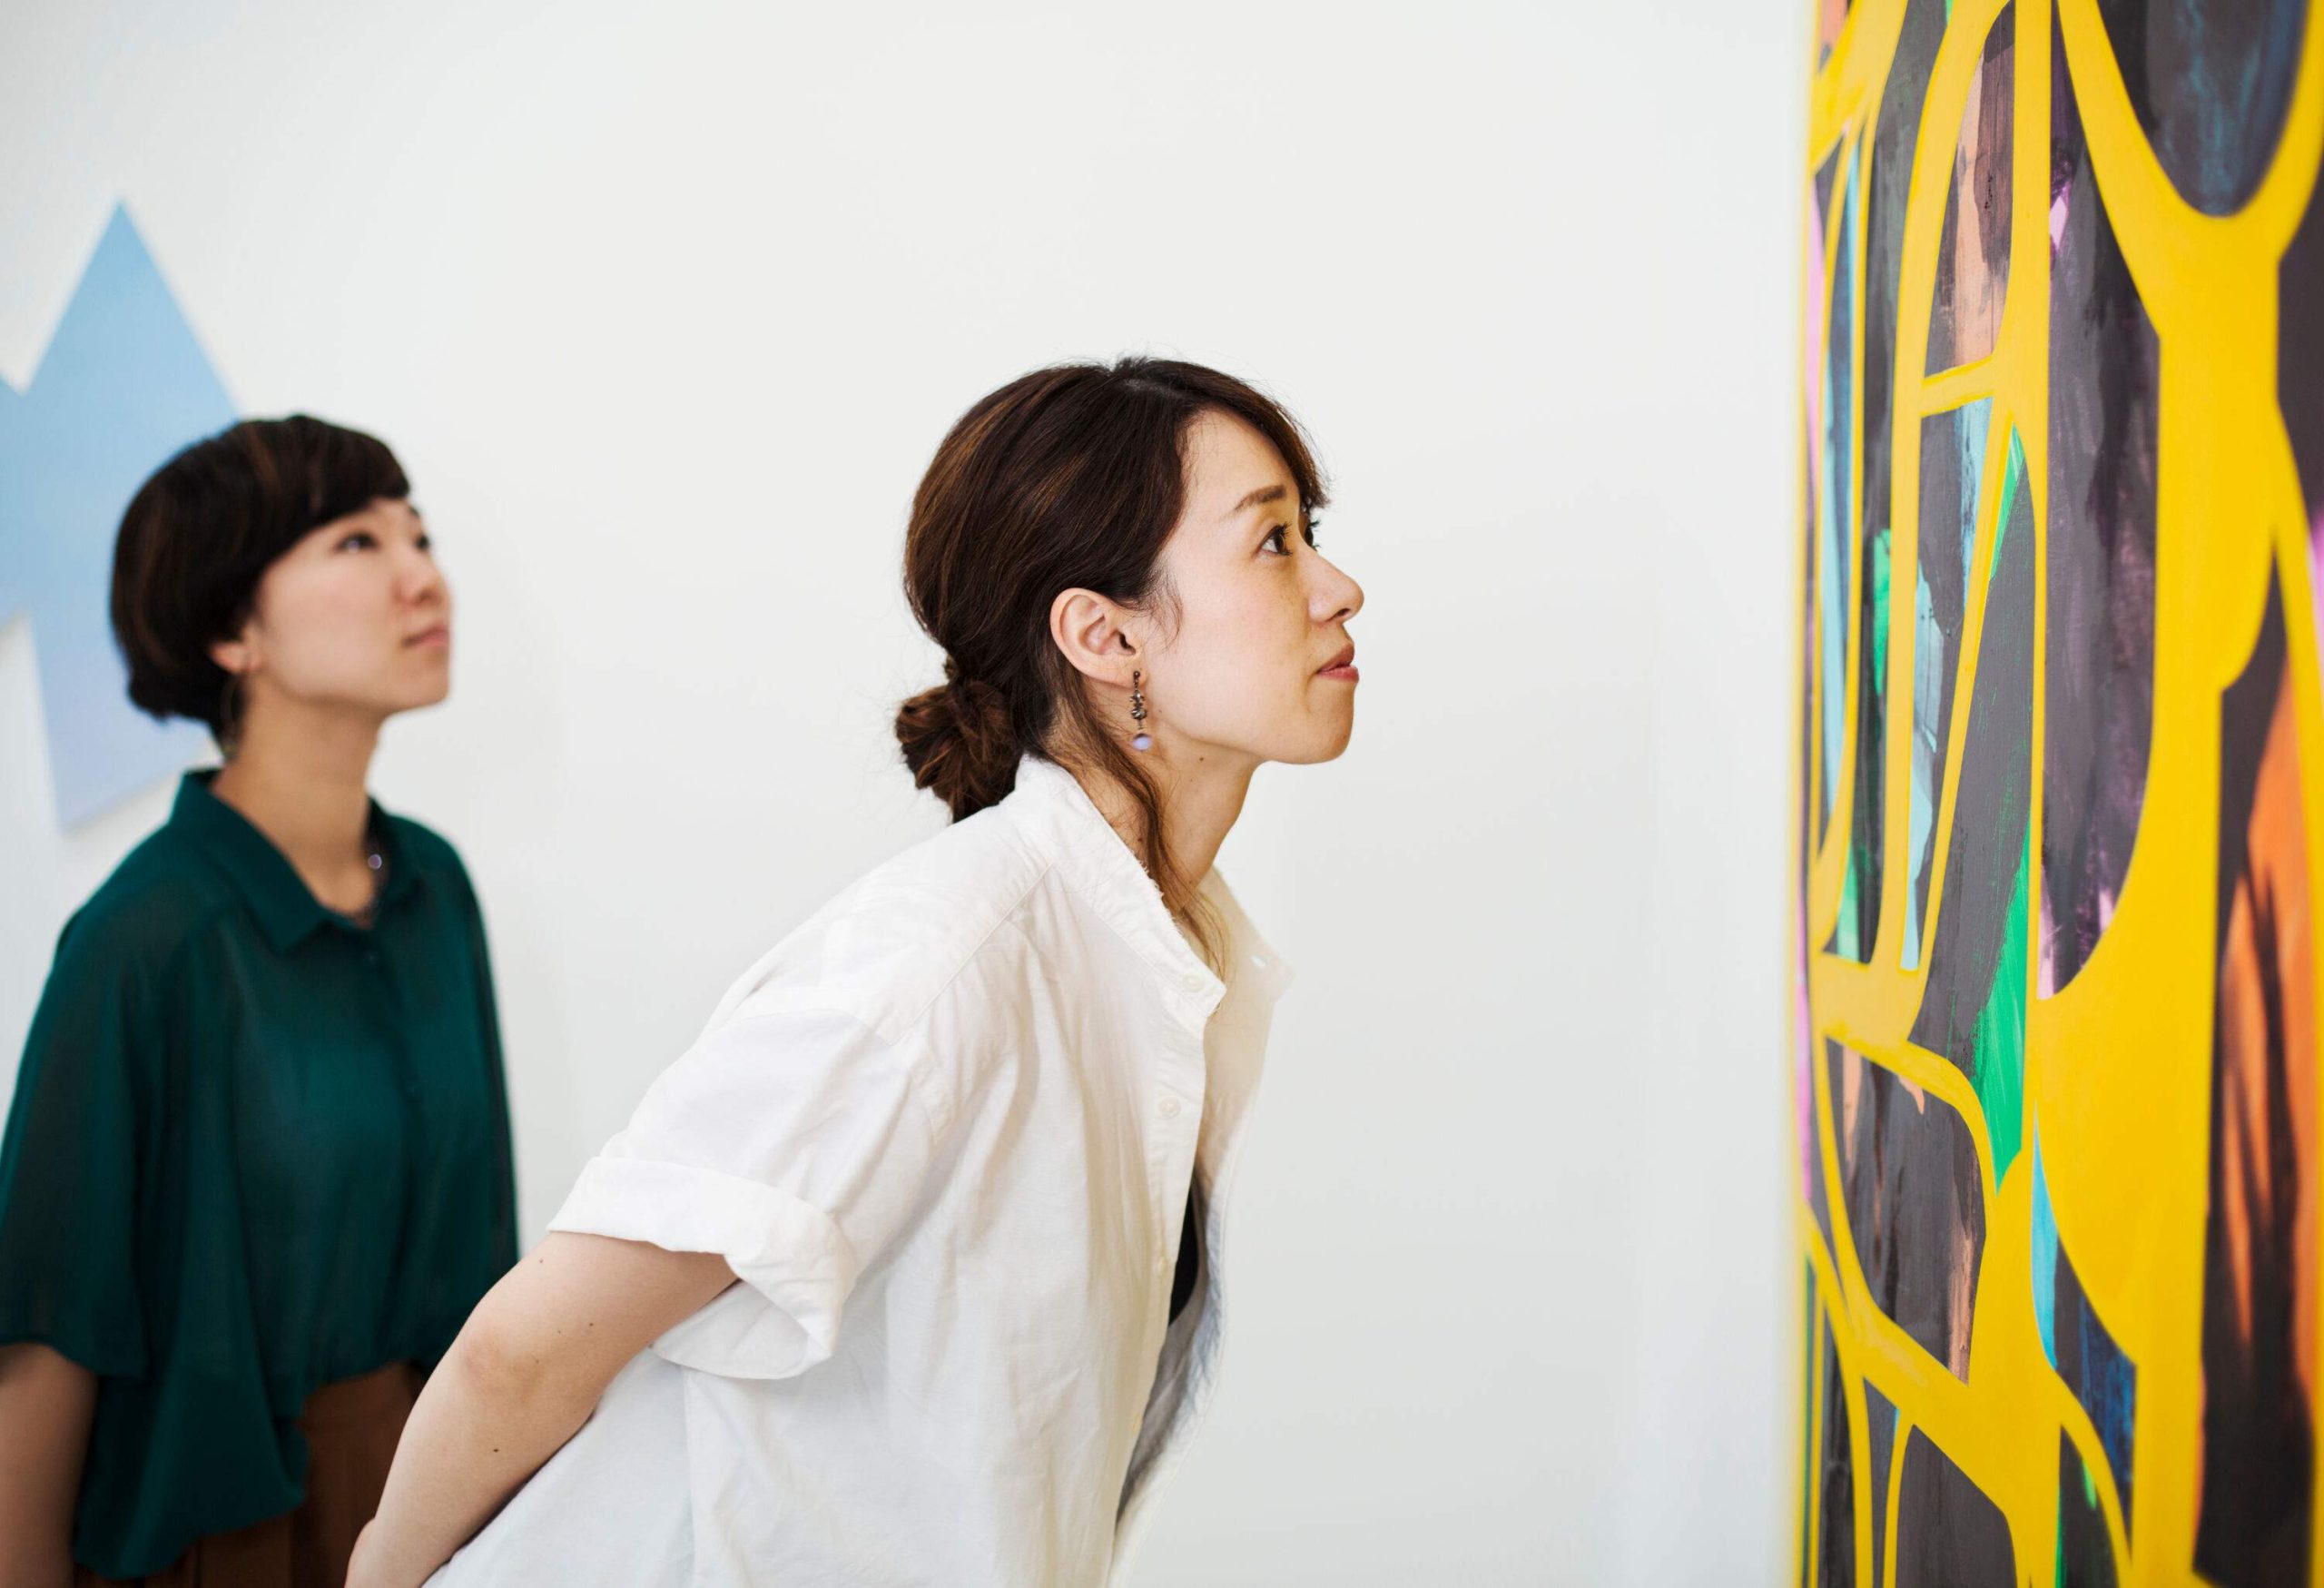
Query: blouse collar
x,y
285,907
1051,803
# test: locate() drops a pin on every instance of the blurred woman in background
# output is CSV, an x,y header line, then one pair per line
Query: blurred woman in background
x,y
257,1169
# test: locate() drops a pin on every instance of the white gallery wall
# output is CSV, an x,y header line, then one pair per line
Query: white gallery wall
x,y
665,308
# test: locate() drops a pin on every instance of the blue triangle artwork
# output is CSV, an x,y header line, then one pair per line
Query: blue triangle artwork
x,y
123,385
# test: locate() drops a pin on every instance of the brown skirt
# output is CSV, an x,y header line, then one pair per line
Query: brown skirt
x,y
351,1428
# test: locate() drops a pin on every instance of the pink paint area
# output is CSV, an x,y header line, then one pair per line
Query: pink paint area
x,y
2046,957
2057,220
2316,567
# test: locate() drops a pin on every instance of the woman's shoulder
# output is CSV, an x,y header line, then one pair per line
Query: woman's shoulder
x,y
162,894
429,856
423,848
889,944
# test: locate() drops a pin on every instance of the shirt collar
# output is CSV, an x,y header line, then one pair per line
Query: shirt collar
x,y
285,908
1051,803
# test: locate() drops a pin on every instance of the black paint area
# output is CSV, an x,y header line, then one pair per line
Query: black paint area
x,y
1888,177
2300,361
1810,802
1859,924
1914,1201
1948,505
1880,1440
1948,1533
1992,805
1839,439
2103,362
1812,1335
1837,1540
2212,82
2085,1556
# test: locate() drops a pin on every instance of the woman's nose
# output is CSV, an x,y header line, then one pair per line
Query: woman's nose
x,y
419,578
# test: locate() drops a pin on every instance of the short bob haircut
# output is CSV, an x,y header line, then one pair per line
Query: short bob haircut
x,y
200,533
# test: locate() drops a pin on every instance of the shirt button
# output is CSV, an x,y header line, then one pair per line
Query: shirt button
x,y
1170,1108
1193,982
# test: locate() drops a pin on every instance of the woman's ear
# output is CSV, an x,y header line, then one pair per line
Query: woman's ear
x,y
1089,628
237,657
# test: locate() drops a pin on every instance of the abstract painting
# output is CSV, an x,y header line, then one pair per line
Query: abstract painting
x,y
2061,795
123,385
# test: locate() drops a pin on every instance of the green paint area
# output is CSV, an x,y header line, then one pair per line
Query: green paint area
x,y
1999,1069
1879,571
2012,481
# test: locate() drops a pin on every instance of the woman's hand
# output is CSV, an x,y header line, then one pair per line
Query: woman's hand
x,y
522,1377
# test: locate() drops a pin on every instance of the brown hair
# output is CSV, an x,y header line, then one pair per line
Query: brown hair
x,y
205,527
1069,477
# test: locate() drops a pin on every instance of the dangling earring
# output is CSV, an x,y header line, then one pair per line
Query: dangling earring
x,y
1144,740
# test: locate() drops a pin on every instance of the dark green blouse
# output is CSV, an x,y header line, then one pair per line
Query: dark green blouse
x,y
254,1148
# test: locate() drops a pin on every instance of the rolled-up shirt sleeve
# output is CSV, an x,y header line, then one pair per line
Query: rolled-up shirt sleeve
x,y
792,1141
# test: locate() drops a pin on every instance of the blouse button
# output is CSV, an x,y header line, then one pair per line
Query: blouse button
x,y
1170,1108
1193,982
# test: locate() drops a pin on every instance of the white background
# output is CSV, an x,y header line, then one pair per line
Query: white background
x,y
665,308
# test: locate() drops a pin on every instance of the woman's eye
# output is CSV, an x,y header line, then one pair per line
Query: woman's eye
x,y
360,537
1275,537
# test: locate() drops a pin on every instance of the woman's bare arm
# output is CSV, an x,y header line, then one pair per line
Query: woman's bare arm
x,y
524,1375
47,1400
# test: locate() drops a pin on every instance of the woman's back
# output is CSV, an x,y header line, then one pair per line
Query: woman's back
x,y
945,1132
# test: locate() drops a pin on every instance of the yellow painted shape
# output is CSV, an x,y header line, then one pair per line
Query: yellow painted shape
x,y
2118,1063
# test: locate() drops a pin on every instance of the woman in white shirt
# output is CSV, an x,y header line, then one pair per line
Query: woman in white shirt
x,y
876,1286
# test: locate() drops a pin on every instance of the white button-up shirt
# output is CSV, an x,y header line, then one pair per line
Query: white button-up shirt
x,y
943,1132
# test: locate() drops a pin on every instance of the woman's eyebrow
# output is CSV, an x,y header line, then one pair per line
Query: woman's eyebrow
x,y
1266,493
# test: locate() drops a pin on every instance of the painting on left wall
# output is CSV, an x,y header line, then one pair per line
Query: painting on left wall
x,y
122,384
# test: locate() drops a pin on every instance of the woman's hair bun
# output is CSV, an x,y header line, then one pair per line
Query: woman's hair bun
x,y
959,740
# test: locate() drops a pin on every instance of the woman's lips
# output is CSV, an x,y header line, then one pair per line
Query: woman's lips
x,y
434,638
1346,670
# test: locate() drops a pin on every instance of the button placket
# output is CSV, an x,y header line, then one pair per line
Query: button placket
x,y
1180,1080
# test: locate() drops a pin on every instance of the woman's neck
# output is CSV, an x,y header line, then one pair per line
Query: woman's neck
x,y
1200,803
303,784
